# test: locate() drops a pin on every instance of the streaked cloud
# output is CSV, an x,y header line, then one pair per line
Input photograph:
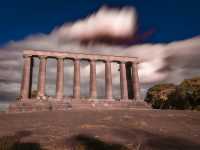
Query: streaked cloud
x,y
169,62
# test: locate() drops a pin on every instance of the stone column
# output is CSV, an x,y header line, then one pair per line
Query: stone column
x,y
135,81
76,90
93,89
26,78
108,79
60,79
123,81
42,78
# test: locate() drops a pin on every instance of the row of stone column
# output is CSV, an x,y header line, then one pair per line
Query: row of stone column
x,y
76,88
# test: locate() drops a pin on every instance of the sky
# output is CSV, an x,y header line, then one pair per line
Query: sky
x,y
170,20
163,34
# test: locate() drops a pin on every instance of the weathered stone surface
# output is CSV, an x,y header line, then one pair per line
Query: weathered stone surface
x,y
77,79
25,84
42,78
43,102
93,86
60,79
84,56
135,80
52,105
108,77
123,81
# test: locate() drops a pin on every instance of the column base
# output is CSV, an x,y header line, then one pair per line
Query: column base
x,y
59,98
41,97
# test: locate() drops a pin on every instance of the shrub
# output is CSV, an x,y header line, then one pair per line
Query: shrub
x,y
161,95
188,94
184,96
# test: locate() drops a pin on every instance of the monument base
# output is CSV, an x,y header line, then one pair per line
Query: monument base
x,y
54,105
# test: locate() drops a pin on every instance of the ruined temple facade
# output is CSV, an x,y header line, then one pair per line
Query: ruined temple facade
x,y
129,80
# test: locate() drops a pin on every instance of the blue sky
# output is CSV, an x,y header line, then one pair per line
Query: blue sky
x,y
175,22
171,19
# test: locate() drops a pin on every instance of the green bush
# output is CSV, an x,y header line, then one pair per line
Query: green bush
x,y
188,94
184,96
160,95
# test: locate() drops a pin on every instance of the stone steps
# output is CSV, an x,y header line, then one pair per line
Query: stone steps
x,y
108,104
46,105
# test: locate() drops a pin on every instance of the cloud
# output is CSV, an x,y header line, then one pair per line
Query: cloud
x,y
170,62
106,22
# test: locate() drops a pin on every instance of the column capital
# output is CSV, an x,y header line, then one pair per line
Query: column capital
x,y
60,58
108,61
27,56
92,60
77,59
42,57
135,62
122,62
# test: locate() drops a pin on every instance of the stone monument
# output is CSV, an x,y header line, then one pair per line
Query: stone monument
x,y
129,83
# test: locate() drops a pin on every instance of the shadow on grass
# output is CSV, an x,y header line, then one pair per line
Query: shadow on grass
x,y
86,142
135,138
14,143
144,140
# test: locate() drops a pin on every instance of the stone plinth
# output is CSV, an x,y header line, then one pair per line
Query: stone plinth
x,y
35,105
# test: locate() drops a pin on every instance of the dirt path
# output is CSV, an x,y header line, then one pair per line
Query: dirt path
x,y
110,129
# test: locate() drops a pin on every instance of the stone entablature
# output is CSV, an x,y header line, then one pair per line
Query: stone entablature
x,y
69,55
29,55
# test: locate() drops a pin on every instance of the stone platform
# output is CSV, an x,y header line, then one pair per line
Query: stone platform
x,y
52,105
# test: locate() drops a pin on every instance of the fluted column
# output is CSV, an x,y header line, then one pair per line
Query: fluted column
x,y
123,81
60,79
93,90
25,84
76,90
42,78
135,80
108,79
